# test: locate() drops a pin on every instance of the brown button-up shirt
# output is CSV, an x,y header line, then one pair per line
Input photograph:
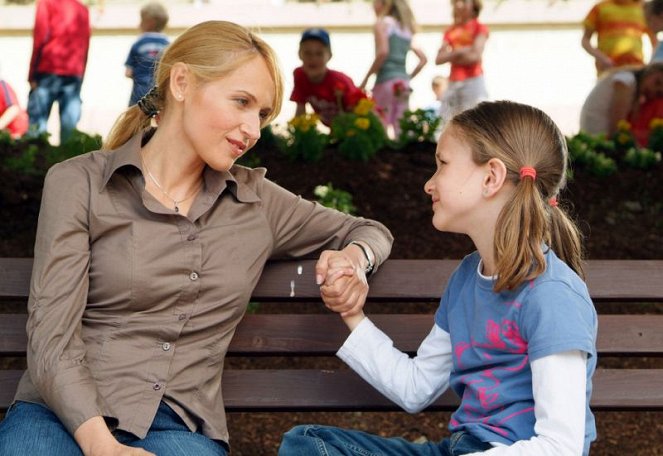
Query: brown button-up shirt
x,y
132,304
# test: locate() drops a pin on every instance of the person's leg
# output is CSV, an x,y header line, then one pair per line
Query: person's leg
x,y
383,97
460,443
311,440
40,102
69,99
33,429
169,436
401,104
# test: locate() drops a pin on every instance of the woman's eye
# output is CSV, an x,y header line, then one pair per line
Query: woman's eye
x,y
242,101
264,115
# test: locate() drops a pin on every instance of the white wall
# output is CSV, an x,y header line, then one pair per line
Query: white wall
x,y
545,68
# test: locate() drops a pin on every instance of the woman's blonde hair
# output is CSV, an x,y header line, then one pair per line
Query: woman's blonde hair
x,y
401,11
211,50
523,136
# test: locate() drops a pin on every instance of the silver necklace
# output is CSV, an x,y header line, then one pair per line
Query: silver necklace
x,y
176,202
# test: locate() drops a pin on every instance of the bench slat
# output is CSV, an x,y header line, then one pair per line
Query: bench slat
x,y
286,334
402,280
343,390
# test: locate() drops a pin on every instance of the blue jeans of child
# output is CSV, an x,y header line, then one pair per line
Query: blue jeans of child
x,y
32,429
66,90
307,440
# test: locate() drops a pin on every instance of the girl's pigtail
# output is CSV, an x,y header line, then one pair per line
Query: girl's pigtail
x,y
565,238
520,231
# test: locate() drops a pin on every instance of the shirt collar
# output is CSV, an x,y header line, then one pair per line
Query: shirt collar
x,y
216,182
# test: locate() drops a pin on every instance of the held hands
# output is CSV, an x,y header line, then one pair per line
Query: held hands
x,y
343,285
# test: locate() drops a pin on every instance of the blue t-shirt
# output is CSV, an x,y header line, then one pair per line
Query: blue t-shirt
x,y
495,336
142,60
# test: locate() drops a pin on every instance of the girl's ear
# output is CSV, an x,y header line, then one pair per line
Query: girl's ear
x,y
495,177
179,80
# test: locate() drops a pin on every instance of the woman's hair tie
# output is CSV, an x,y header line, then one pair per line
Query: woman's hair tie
x,y
148,103
527,171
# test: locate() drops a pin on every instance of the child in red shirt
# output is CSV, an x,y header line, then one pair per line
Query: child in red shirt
x,y
13,118
329,92
462,47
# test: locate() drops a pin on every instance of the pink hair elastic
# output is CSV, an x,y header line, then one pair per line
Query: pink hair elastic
x,y
553,201
527,171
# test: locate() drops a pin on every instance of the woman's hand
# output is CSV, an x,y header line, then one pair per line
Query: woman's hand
x,y
95,439
343,285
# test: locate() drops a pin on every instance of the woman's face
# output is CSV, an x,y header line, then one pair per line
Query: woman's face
x,y
221,119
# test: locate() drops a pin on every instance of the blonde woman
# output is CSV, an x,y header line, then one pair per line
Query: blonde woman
x,y
147,253
394,33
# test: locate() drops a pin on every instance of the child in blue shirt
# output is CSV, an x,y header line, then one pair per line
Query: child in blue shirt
x,y
147,49
515,333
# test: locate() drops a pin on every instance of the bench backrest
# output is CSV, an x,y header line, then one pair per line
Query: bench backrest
x,y
319,335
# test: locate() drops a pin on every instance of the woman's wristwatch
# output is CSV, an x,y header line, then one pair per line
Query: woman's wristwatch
x,y
369,263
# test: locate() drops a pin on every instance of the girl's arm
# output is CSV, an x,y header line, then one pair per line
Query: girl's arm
x,y
9,115
444,54
380,32
559,387
412,383
416,48
602,61
468,55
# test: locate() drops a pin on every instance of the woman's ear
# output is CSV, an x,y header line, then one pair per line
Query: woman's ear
x,y
495,177
180,80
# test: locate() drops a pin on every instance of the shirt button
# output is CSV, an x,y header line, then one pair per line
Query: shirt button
x,y
166,346
181,317
191,237
156,387
193,276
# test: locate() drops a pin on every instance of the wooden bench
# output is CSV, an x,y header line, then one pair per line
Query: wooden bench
x,y
302,340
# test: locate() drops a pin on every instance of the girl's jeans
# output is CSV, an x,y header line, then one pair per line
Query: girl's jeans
x,y
32,429
307,440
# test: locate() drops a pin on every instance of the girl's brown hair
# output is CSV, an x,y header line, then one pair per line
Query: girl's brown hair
x,y
523,136
211,50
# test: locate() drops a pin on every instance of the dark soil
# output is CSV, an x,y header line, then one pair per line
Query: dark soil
x,y
620,217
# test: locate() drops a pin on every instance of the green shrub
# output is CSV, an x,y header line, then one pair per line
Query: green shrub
x,y
305,142
418,126
359,134
335,198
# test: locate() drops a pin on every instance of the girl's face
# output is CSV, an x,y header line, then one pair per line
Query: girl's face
x,y
456,186
652,86
378,7
463,10
221,119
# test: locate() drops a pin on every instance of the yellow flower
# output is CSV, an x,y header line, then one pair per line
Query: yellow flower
x,y
304,122
351,132
362,123
364,107
623,138
623,125
655,123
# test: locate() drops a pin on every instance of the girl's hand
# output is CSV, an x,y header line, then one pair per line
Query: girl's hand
x,y
343,285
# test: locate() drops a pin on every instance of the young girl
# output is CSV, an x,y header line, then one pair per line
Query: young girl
x,y
634,94
462,47
394,37
515,333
